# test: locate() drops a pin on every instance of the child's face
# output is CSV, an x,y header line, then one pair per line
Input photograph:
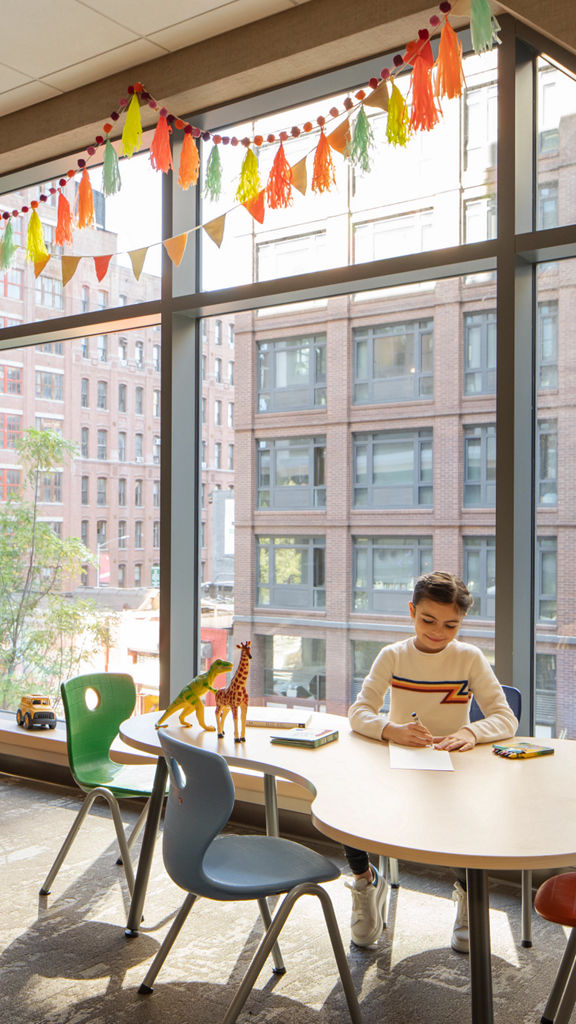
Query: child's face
x,y
435,624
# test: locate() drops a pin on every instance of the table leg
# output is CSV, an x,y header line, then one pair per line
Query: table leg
x,y
147,849
272,829
480,957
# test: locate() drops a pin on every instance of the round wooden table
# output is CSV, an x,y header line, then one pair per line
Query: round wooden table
x,y
490,812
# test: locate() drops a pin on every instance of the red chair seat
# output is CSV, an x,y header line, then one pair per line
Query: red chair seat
x,y
556,899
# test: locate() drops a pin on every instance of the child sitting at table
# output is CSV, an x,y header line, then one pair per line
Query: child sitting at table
x,y
432,677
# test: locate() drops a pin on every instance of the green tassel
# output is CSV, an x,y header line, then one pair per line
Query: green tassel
x,y
398,125
249,185
111,180
7,246
484,28
358,149
213,180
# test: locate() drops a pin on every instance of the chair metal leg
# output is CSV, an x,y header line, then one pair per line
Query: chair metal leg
x,y
567,965
99,791
568,1000
270,938
279,967
527,908
147,849
169,940
137,828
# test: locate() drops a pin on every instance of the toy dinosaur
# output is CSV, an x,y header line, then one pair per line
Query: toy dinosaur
x,y
189,699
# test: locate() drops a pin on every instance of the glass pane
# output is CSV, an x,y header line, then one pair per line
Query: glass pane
x,y
555,627
556,107
76,418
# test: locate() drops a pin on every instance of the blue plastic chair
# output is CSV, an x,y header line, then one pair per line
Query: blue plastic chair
x,y
231,867
94,707
390,865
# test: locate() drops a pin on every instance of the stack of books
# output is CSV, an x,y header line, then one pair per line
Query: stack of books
x,y
305,737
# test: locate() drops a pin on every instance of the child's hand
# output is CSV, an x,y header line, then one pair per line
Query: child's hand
x,y
412,734
464,739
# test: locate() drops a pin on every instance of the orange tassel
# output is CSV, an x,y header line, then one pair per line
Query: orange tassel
x,y
449,73
189,162
279,187
323,175
85,202
64,226
424,113
160,152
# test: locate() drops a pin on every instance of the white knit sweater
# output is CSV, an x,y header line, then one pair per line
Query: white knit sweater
x,y
438,687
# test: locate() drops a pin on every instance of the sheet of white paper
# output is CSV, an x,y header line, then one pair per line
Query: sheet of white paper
x,y
422,758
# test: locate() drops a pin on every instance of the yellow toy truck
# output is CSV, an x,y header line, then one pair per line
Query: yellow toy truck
x,y
34,709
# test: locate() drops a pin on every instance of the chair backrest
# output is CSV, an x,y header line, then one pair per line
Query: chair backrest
x,y
200,801
90,730
513,696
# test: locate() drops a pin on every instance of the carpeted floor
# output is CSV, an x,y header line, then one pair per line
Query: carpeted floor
x,y
64,958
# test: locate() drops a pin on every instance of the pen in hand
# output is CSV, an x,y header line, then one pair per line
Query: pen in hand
x,y
416,720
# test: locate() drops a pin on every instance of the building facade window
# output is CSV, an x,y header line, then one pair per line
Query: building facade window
x,y
138,574
101,491
291,472
10,380
291,572
546,578
218,371
479,560
284,257
122,574
123,351
547,344
84,532
394,362
480,466
218,413
102,444
122,446
218,455
385,569
9,483
85,393
292,374
50,386
139,354
122,491
217,332
139,447
122,533
156,494
85,443
156,358
393,469
101,532
156,534
102,394
295,667
139,493
480,353
400,234
84,490
230,457
139,401
103,348
231,414
156,450
138,534
122,397
547,463
10,429
231,371
51,488
85,348
155,402
547,213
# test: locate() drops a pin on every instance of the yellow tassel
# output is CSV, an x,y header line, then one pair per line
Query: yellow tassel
x,y
249,185
36,249
132,133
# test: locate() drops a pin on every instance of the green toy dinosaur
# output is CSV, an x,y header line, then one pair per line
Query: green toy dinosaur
x,y
190,698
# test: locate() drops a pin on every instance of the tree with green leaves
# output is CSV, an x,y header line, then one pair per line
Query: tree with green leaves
x,y
45,635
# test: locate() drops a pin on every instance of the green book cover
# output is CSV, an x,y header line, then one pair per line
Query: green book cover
x,y
305,737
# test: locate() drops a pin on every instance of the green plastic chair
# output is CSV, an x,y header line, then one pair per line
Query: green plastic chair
x,y
94,707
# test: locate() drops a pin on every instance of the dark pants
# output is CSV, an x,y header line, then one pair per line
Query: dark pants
x,y
359,862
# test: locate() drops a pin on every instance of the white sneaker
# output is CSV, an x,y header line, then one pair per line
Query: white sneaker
x,y
460,936
368,902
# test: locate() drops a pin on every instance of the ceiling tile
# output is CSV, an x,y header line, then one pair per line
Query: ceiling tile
x,y
25,96
105,64
10,79
42,41
146,17
213,23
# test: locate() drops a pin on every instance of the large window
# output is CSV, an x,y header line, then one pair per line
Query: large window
x,y
291,572
480,466
480,353
393,469
291,374
385,570
480,574
291,473
394,362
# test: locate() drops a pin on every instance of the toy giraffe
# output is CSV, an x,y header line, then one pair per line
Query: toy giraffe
x,y
235,697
